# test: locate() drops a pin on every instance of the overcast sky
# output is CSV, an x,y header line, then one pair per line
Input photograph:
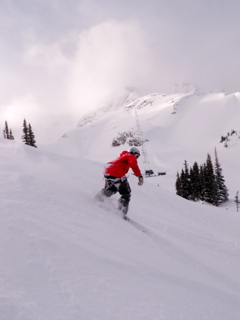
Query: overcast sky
x,y
67,55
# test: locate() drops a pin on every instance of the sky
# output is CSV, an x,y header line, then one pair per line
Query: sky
x,y
65,57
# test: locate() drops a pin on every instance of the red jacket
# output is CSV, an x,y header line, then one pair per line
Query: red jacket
x,y
120,166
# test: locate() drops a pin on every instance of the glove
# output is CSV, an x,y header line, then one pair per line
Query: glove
x,y
140,182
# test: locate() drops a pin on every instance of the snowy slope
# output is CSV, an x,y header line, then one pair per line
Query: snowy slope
x,y
64,256
178,127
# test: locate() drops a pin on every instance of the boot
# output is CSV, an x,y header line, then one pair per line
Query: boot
x,y
123,206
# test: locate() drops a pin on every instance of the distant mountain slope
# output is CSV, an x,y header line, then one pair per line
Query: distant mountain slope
x,y
176,127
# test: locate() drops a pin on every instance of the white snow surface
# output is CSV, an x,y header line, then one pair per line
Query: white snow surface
x,y
64,256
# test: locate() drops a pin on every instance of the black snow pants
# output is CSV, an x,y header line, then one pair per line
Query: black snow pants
x,y
121,185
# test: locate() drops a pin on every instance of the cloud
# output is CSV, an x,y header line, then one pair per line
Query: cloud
x,y
104,59
109,57
46,56
20,108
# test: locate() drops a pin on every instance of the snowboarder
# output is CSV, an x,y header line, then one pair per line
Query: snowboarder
x,y
116,181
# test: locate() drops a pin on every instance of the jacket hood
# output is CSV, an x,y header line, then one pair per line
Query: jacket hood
x,y
124,152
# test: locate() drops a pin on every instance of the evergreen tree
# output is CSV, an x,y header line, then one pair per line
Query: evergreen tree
x,y
188,180
31,137
11,137
222,191
25,136
195,182
237,200
185,181
28,135
178,185
202,177
205,183
6,131
210,182
184,185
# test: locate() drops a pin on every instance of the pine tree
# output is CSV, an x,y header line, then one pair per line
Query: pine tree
x,y
185,181
222,191
188,183
25,136
210,182
6,131
237,200
202,176
28,135
178,185
195,182
205,183
183,185
31,137
11,137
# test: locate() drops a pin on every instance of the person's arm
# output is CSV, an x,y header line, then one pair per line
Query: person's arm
x,y
132,160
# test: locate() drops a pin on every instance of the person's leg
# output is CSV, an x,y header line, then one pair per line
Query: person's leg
x,y
108,190
125,192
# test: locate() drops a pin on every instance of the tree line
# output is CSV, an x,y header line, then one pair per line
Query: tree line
x,y
28,136
202,182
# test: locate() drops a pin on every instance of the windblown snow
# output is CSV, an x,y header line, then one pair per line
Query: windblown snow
x,y
65,256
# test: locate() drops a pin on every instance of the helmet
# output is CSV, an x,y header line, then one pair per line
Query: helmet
x,y
134,151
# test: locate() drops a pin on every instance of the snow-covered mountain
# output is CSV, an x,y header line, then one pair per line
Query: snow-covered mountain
x,y
65,256
174,128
